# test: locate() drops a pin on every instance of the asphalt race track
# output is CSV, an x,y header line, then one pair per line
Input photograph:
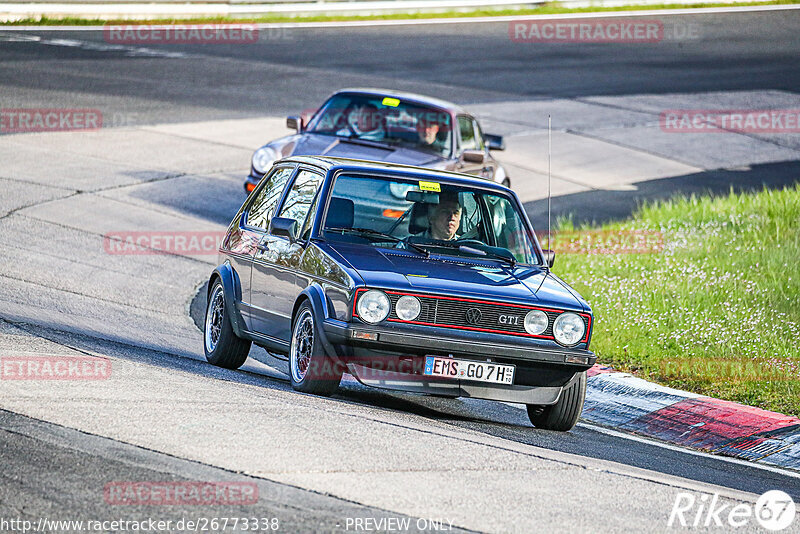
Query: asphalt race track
x,y
182,121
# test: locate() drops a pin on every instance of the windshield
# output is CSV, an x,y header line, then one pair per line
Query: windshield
x,y
428,217
386,120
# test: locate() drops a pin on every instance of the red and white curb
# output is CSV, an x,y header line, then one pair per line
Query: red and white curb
x,y
625,402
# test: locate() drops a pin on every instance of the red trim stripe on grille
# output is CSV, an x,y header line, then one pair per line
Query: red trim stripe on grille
x,y
444,325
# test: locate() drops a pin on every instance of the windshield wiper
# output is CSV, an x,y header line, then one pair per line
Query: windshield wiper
x,y
477,251
375,233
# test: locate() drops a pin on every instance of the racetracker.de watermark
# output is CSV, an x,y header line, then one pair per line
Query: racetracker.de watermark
x,y
592,242
148,34
195,243
27,120
54,367
586,31
180,493
730,370
730,120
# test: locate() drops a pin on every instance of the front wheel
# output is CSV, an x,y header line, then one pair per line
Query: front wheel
x,y
310,369
564,414
222,347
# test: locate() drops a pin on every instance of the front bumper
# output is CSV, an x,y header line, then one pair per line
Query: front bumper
x,y
522,394
443,341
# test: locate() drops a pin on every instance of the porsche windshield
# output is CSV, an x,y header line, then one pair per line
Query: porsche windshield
x,y
428,217
386,120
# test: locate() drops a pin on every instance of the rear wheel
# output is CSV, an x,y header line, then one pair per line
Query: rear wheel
x,y
310,369
222,347
564,414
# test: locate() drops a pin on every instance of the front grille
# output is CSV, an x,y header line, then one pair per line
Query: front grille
x,y
494,317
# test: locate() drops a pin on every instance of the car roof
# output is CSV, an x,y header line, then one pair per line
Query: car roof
x,y
328,164
410,97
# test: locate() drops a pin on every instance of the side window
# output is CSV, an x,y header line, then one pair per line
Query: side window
x,y
264,204
478,135
470,216
509,231
301,195
305,232
468,141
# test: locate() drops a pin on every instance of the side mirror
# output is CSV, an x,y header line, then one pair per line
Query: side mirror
x,y
474,156
494,142
549,257
293,122
283,227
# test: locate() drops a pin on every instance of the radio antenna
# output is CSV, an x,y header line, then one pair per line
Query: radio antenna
x,y
549,152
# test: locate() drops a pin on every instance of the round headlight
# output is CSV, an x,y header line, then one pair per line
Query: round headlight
x,y
373,306
399,190
568,328
407,308
264,158
535,322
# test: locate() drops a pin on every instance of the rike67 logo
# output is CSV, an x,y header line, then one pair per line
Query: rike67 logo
x,y
774,511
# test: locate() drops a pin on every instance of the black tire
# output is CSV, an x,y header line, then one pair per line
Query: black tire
x,y
229,350
507,182
311,370
564,414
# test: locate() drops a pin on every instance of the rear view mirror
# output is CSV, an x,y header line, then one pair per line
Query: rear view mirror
x,y
422,197
294,122
494,142
283,227
549,257
474,156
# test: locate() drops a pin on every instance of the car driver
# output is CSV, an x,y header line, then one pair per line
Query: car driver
x,y
444,218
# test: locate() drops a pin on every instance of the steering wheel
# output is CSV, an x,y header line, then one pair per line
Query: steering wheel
x,y
471,242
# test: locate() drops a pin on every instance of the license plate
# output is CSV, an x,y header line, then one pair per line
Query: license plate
x,y
497,373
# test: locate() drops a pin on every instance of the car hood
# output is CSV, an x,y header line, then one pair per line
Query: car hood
x,y
326,145
453,276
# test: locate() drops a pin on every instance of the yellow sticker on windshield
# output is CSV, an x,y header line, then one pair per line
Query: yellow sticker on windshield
x,y
391,102
430,186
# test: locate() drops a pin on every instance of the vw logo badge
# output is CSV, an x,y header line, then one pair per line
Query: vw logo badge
x,y
474,316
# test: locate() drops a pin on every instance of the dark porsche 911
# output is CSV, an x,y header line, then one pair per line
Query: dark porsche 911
x,y
381,125
449,293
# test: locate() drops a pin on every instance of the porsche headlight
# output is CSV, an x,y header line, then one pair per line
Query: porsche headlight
x,y
568,328
535,322
407,308
399,189
373,306
264,158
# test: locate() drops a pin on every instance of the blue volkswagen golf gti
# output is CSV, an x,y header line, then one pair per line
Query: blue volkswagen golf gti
x,y
435,284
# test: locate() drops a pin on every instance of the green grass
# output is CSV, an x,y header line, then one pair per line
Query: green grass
x,y
716,311
547,9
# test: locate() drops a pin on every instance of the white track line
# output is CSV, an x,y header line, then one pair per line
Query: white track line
x,y
737,461
461,20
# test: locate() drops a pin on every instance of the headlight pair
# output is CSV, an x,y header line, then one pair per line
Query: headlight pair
x,y
374,306
568,328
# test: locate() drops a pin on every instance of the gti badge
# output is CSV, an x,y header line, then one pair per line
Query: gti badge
x,y
508,319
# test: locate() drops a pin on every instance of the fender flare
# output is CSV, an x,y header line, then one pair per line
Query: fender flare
x,y
319,307
232,288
